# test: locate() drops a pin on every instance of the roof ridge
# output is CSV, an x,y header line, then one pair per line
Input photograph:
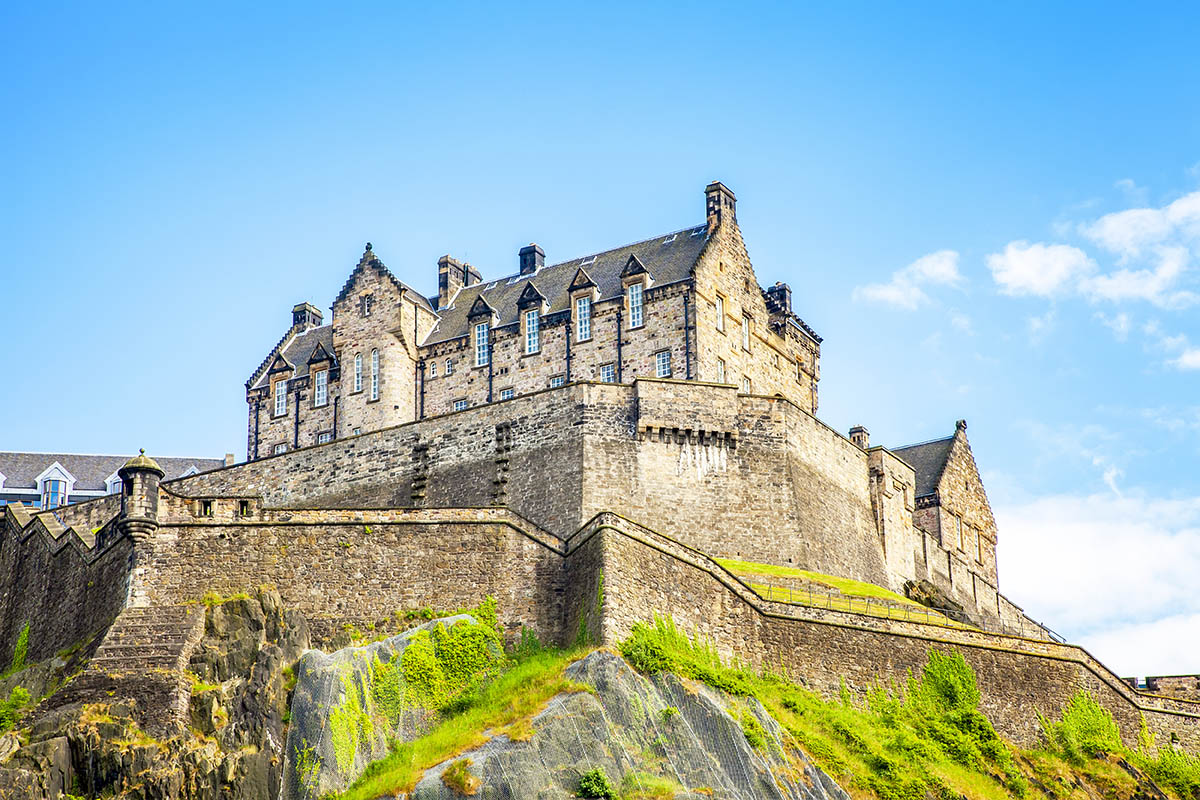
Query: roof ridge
x,y
922,444
254,376
97,455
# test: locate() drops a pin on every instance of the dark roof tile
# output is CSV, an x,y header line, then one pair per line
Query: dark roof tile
x,y
928,460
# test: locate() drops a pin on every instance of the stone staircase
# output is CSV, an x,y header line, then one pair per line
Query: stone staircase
x,y
142,661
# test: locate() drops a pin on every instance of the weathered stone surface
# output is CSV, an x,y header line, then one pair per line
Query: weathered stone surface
x,y
624,728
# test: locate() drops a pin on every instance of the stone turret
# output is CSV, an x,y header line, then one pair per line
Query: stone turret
x,y
139,496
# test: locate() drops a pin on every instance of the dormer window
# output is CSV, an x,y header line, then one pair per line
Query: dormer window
x,y
114,484
532,331
482,353
54,493
636,309
280,397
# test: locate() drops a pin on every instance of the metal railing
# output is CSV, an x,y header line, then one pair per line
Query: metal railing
x,y
888,609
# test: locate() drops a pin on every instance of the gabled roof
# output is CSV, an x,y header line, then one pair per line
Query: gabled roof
x,y
370,260
320,353
928,460
91,473
297,352
530,296
581,281
669,258
480,308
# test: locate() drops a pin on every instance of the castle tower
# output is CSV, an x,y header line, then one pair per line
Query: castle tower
x,y
139,496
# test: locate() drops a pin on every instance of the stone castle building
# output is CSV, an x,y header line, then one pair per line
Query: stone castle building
x,y
583,442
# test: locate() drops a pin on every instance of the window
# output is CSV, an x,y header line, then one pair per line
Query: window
x,y
321,387
745,332
636,313
481,344
324,437
532,342
720,313
280,398
365,304
279,448
958,531
433,369
449,366
506,394
557,381
54,493
460,405
608,373
358,372
720,370
979,546
583,319
662,364
206,509
356,432
374,374
244,508
745,385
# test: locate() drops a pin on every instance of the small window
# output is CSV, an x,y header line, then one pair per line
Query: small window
x,y
279,448
324,437
449,366
482,346
356,432
720,370
636,311
979,546
745,385
958,531
557,381
608,373
367,301
662,364
374,374
532,338
433,369
720,313
506,394
244,508
321,387
745,332
583,319
280,398
460,405
206,508
358,372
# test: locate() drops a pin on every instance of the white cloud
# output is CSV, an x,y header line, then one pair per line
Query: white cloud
x,y
1186,356
904,289
1038,269
1189,359
1113,572
1040,327
1146,284
1120,324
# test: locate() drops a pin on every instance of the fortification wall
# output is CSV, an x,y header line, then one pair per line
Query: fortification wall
x,y
64,586
647,575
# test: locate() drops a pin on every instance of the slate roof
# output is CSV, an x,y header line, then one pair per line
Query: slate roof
x,y
297,352
90,472
668,258
928,460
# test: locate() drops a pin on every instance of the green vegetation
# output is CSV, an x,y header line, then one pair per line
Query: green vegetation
x,y
927,740
20,652
594,783
211,598
10,708
459,778
502,705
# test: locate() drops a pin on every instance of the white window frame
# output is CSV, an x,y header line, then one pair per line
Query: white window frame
x,y
720,370
449,366
637,305
482,345
279,449
720,303
746,332
533,339
662,364
506,393
113,483
583,319
608,373
557,381
321,387
460,405
358,372
374,374
280,389
746,384
433,369
324,437
60,495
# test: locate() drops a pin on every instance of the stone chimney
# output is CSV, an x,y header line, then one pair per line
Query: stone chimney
x,y
139,497
452,276
305,316
779,299
720,205
860,437
532,258
230,460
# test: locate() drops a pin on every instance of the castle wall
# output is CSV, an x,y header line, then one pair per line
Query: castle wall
x,y
65,589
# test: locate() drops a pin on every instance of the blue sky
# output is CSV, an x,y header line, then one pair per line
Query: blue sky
x,y
989,213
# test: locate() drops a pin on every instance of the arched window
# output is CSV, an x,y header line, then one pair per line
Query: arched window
x,y
374,374
358,372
